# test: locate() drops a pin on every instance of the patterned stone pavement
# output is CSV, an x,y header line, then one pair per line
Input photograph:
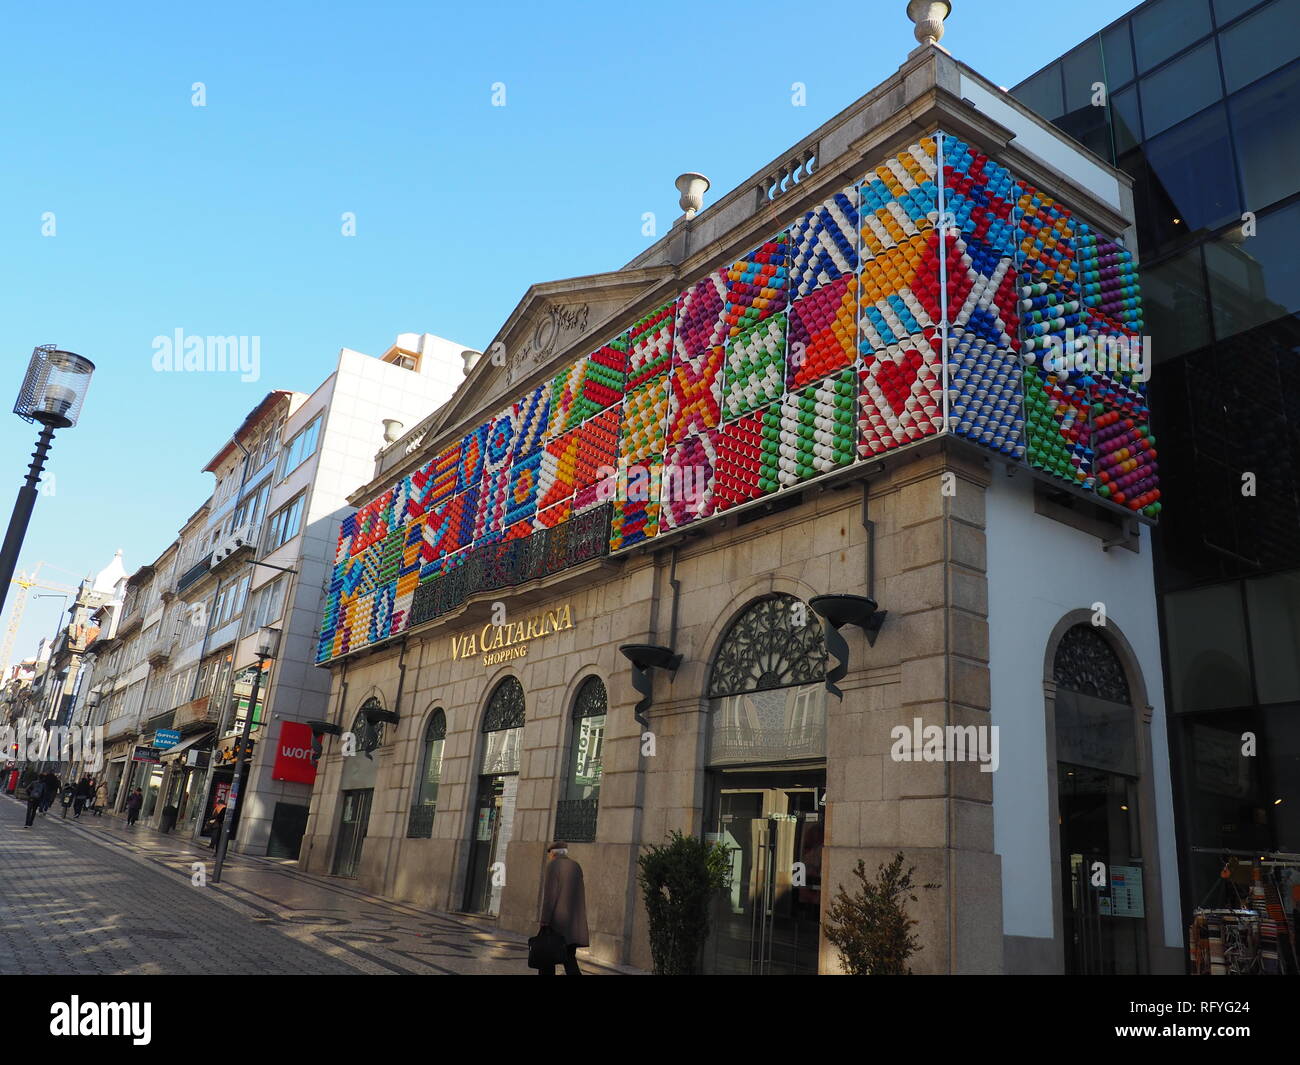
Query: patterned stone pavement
x,y
94,897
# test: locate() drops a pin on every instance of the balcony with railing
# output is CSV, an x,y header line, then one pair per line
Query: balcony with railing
x,y
239,545
200,711
194,574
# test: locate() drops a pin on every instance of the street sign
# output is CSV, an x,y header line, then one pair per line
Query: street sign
x,y
166,737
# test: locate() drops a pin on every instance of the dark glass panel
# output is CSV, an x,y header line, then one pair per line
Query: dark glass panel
x,y
1042,93
1255,280
1173,297
1206,633
1260,44
1117,52
1266,126
1181,89
1192,181
1080,70
1165,28
1126,118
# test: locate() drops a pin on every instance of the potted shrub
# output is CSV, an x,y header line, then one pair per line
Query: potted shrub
x,y
871,928
679,881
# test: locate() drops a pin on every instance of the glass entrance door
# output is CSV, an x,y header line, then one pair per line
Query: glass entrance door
x,y
1101,875
494,812
353,822
768,921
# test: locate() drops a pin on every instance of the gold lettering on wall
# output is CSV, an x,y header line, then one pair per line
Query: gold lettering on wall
x,y
500,643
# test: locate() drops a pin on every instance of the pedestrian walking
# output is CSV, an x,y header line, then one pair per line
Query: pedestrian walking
x,y
101,798
50,792
564,907
35,793
133,803
215,822
84,792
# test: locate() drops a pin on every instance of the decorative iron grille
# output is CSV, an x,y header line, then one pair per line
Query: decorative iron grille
x,y
575,820
1087,664
506,707
766,648
420,824
592,700
369,735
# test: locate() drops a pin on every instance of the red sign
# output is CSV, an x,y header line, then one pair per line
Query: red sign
x,y
293,754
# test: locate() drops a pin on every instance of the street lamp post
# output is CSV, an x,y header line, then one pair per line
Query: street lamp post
x,y
268,645
52,393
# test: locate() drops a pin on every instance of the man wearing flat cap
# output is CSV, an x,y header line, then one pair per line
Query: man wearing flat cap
x,y
564,906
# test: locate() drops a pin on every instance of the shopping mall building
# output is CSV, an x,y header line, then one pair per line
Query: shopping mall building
x,y
792,533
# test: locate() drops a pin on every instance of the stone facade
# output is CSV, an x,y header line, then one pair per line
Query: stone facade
x,y
907,527
931,659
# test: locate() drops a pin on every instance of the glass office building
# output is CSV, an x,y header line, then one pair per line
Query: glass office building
x,y
1199,100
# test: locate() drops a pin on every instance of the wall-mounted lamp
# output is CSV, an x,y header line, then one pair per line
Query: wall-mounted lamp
x,y
645,657
836,611
319,729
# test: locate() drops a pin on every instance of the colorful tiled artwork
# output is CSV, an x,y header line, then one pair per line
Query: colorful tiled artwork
x,y
650,346
822,346
754,369
695,394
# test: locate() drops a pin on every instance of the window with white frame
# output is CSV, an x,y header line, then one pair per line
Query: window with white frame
x,y
285,523
268,603
301,447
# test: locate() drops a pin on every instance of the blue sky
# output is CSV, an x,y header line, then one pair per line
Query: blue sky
x,y
226,219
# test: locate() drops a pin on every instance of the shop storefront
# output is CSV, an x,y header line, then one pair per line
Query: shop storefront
x,y
839,649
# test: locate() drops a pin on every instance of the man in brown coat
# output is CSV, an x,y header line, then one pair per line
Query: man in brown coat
x,y
564,906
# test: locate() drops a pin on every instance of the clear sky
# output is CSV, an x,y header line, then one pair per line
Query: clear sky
x,y
226,219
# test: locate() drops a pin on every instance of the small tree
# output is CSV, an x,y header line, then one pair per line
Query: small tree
x,y
871,928
679,881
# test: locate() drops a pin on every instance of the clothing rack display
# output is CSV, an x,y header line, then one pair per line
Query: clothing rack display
x,y
1255,935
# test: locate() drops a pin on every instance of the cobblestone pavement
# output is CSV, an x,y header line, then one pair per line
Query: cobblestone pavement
x,y
95,897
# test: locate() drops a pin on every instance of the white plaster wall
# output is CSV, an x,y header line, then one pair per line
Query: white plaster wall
x,y
1038,570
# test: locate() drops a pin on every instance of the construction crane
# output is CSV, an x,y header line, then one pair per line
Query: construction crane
x,y
25,582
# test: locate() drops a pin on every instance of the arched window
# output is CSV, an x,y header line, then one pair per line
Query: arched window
x,y
369,734
360,771
767,687
428,776
575,820
503,727
1086,663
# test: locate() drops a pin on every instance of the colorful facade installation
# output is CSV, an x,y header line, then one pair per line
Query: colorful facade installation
x,y
821,347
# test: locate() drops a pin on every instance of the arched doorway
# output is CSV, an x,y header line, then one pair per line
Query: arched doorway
x,y
494,807
766,763
1098,771
357,788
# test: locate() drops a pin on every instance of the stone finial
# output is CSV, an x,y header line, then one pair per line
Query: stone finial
x,y
470,359
692,188
392,430
928,16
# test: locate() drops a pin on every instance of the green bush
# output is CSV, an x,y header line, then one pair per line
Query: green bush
x,y
871,928
679,881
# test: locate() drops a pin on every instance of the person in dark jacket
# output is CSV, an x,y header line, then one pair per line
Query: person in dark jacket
x,y
214,823
133,803
564,906
50,791
83,793
35,794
